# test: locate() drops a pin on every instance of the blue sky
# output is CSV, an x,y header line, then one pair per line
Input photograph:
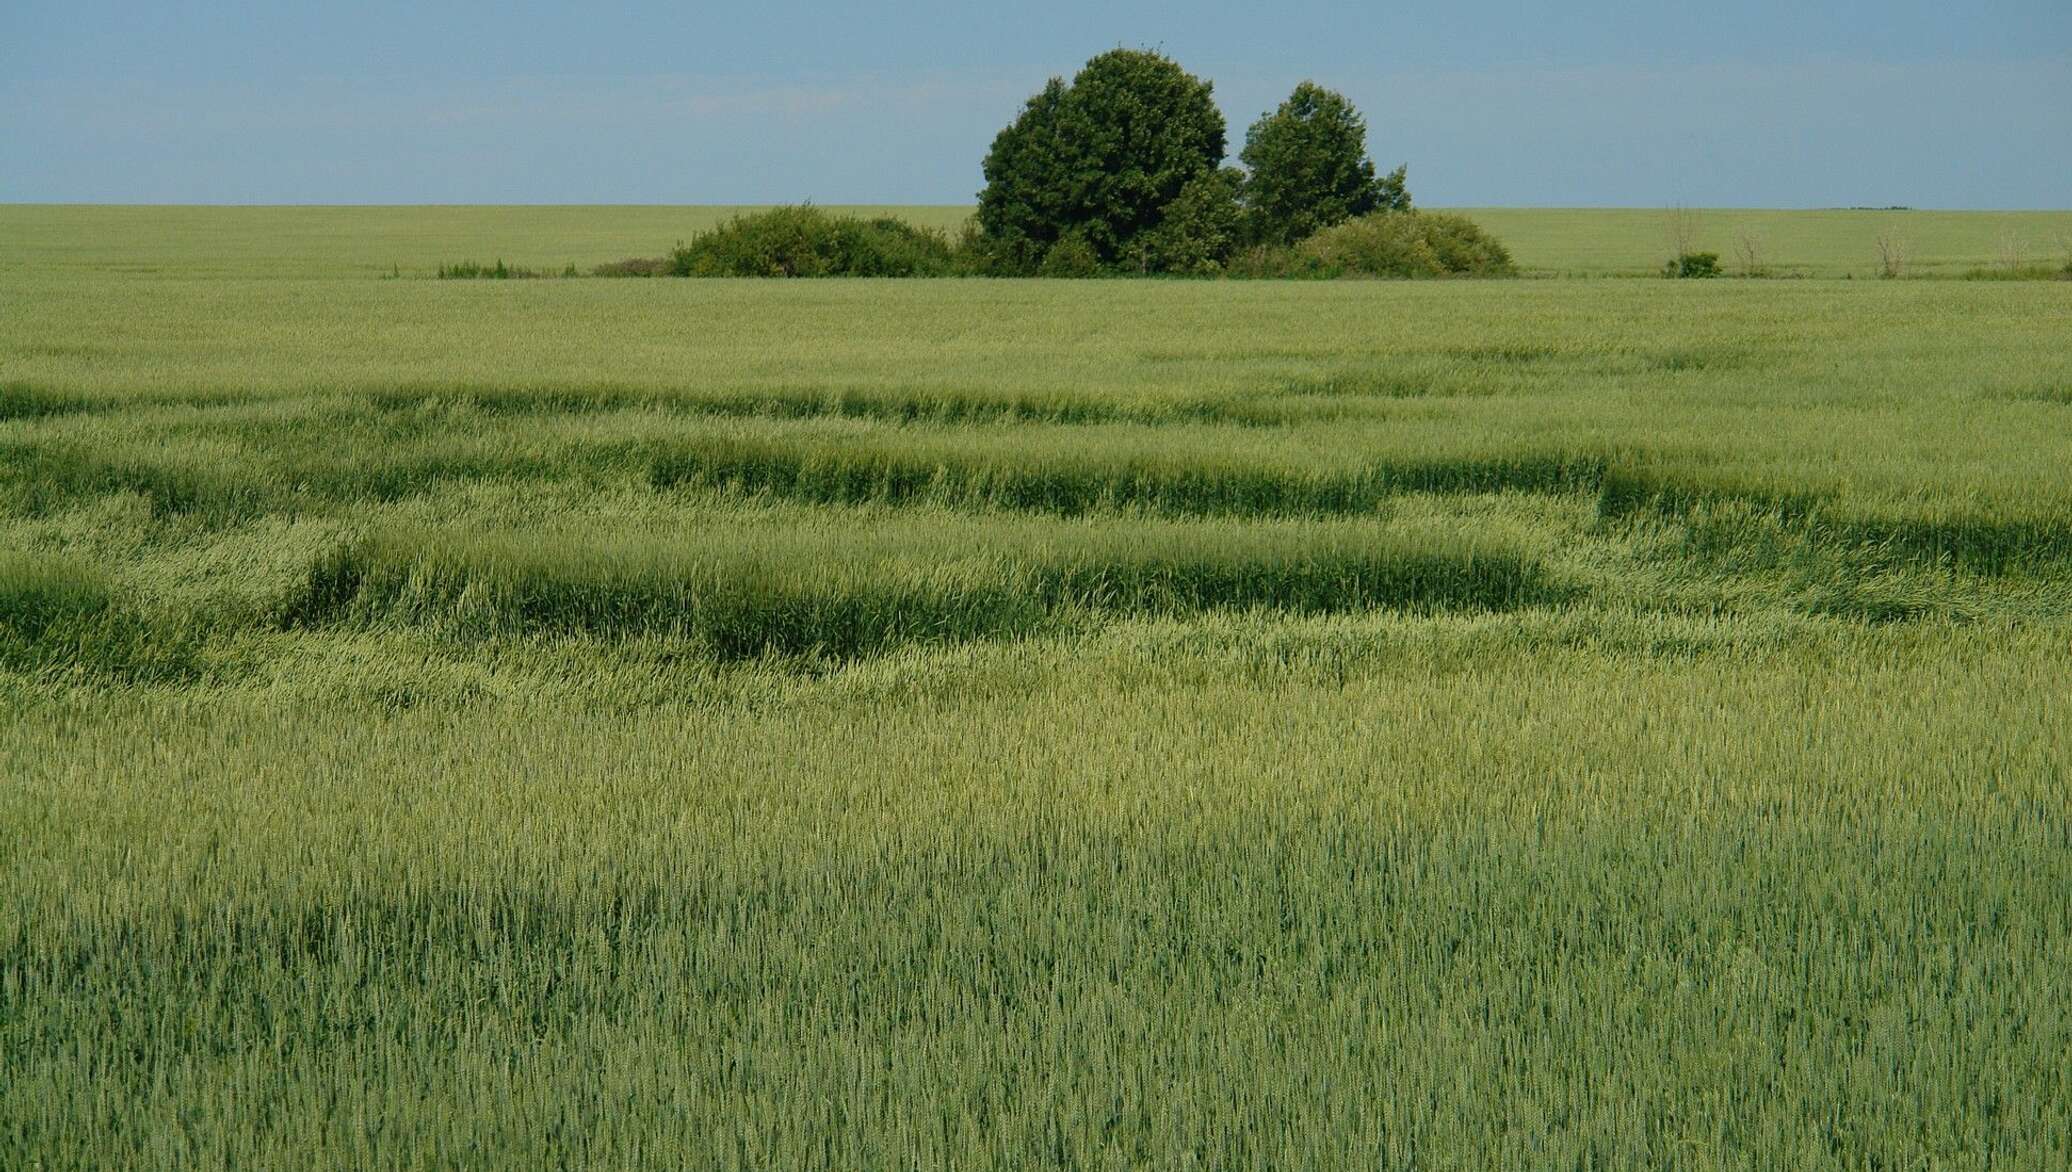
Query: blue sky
x,y
1491,102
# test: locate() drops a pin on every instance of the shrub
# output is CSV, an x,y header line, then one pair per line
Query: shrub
x,y
469,270
1071,256
1404,244
1694,265
1104,157
1310,170
634,266
1276,262
804,241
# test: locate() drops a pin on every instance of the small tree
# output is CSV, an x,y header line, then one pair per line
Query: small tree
x,y
1681,227
1100,159
2011,252
1892,255
1750,247
1310,170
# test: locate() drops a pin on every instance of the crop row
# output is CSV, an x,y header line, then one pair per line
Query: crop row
x,y
293,465
748,590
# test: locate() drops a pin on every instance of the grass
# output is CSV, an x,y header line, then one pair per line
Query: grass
x,y
1021,724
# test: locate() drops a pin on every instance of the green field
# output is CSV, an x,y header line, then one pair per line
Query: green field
x,y
998,724
278,242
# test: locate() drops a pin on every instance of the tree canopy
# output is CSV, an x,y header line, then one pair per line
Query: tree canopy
x,y
1101,161
1308,168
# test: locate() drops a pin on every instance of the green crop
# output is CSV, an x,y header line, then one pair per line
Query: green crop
x,y
984,724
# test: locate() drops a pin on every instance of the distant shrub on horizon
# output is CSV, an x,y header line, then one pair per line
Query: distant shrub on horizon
x,y
803,241
469,270
1693,266
634,266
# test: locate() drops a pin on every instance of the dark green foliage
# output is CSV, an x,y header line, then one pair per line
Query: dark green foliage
x,y
1275,262
1694,265
1104,157
1405,244
635,266
1201,230
1070,257
1309,169
804,241
469,270
1394,190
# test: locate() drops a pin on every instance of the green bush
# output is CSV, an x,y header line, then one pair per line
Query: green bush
x,y
804,241
1275,262
1402,244
1071,256
1694,265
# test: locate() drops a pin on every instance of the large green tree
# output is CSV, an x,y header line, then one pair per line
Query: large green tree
x,y
1309,168
1100,161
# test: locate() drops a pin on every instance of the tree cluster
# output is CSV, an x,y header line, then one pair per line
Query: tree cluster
x,y
1122,170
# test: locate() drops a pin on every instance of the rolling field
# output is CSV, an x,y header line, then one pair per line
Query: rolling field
x,y
987,724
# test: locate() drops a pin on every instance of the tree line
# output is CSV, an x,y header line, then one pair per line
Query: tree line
x,y
1121,171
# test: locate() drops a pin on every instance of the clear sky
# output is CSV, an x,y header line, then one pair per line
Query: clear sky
x,y
1787,103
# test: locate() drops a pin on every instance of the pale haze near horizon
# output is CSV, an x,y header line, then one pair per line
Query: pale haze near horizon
x,y
1491,102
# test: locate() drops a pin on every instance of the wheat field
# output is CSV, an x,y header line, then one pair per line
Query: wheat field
x,y
994,724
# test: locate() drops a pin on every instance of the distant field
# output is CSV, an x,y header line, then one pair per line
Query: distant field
x,y
1801,243
354,241
1016,724
370,241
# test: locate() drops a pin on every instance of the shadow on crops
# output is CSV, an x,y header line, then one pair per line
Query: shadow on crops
x,y
855,475
743,609
896,405
42,479
23,401
62,620
2058,394
1982,545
